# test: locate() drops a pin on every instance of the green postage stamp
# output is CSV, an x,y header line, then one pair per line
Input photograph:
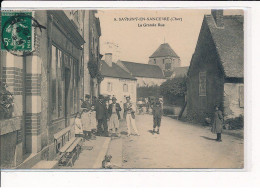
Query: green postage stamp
x,y
16,30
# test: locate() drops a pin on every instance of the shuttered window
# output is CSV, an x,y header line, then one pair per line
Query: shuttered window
x,y
202,84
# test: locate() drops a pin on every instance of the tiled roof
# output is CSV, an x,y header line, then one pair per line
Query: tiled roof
x,y
144,70
229,43
114,71
164,50
181,71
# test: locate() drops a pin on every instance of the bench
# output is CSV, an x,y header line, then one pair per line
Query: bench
x,y
67,146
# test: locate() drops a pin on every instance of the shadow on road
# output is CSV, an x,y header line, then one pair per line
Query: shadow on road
x,y
123,133
208,138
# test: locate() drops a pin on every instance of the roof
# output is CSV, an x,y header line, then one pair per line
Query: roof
x,y
115,71
164,50
229,43
144,70
181,71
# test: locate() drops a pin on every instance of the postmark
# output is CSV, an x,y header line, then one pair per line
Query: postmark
x,y
17,32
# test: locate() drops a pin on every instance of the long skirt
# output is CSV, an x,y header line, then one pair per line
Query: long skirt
x,y
85,119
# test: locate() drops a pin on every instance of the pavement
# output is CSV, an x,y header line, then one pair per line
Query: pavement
x,y
92,154
180,145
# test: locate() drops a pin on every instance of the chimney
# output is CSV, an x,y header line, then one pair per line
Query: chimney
x,y
108,59
218,17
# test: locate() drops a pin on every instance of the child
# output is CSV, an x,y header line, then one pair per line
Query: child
x,y
157,116
78,126
93,122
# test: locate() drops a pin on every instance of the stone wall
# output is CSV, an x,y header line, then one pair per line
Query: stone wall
x,y
11,147
161,61
232,105
205,59
143,81
117,88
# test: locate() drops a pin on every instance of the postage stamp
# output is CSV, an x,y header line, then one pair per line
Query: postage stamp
x,y
16,31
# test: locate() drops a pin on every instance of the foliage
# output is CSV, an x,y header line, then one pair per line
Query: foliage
x,y
6,101
235,123
148,91
174,90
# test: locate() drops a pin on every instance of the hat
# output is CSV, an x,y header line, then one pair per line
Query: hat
x,y
127,97
157,102
100,96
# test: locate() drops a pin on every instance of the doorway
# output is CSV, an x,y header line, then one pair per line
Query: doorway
x,y
67,97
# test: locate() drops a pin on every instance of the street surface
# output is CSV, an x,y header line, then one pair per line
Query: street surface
x,y
179,145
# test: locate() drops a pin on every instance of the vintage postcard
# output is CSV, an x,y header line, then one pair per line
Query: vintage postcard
x,y
122,89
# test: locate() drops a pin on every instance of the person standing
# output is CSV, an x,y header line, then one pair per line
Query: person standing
x,y
78,126
86,104
85,118
93,122
130,116
217,126
157,116
114,115
101,115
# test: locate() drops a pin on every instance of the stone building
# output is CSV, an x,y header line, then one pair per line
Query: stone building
x,y
117,81
47,86
216,73
166,58
146,75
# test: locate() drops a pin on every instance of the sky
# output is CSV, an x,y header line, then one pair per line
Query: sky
x,y
126,41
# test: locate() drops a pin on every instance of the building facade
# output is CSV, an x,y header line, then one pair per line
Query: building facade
x,y
216,75
47,87
146,75
166,58
117,82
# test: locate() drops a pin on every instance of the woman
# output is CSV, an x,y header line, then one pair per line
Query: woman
x,y
85,117
129,115
217,126
78,126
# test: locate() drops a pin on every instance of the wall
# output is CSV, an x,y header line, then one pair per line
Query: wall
x,y
117,88
205,59
142,81
232,107
175,62
12,130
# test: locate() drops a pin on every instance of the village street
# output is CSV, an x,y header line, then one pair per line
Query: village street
x,y
179,145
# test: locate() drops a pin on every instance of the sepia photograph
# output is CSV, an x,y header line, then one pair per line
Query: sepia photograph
x,y
122,89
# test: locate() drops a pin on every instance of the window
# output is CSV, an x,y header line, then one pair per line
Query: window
x,y
241,96
109,87
167,66
125,88
163,61
202,84
58,63
54,109
154,61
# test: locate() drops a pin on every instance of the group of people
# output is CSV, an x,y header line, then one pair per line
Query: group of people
x,y
102,117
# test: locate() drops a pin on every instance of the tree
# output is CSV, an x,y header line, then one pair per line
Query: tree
x,y
148,91
174,90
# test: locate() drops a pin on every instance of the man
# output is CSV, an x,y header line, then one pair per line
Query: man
x,y
86,104
157,116
114,115
129,116
102,116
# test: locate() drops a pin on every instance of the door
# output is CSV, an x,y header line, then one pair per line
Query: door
x,y
67,97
